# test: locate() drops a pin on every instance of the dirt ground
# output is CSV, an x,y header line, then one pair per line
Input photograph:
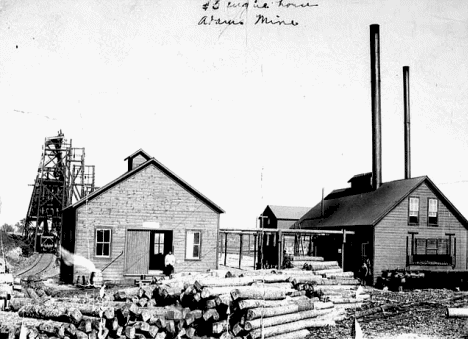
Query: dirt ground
x,y
415,314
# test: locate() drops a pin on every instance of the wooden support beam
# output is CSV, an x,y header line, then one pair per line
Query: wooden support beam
x,y
240,249
225,248
279,241
255,251
343,249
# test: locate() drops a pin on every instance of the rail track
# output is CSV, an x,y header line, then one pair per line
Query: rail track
x,y
43,262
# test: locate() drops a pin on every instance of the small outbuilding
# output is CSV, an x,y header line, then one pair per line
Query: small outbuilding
x,y
126,227
281,217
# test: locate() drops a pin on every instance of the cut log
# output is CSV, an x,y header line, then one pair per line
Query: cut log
x,y
297,293
209,292
92,310
286,285
219,327
271,278
307,258
328,271
306,279
211,314
338,282
257,272
170,326
17,303
237,329
343,300
254,303
348,305
457,312
228,282
210,303
289,327
224,299
58,313
190,332
283,319
335,275
255,313
315,265
254,293
323,305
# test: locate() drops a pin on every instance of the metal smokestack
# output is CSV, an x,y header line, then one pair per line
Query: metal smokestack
x,y
406,96
376,104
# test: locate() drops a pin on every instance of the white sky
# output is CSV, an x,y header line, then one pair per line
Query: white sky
x,y
225,106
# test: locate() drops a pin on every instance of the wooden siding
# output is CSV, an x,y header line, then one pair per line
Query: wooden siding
x,y
138,160
392,231
137,258
285,224
147,196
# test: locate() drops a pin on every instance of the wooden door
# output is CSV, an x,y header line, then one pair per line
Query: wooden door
x,y
136,258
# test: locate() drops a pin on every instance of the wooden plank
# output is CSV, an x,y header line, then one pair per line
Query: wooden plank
x,y
137,256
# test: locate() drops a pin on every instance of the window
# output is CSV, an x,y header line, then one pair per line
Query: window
x,y
413,216
432,246
158,243
432,211
193,245
103,242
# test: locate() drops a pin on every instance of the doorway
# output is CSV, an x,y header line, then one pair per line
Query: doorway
x,y
160,245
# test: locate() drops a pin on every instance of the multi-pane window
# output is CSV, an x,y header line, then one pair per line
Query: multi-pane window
x,y
432,211
159,243
193,245
432,246
103,242
413,214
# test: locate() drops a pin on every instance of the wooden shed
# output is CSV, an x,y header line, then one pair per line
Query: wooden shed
x,y
127,226
405,223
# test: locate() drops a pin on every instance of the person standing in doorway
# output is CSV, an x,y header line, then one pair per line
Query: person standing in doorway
x,y
363,272
169,262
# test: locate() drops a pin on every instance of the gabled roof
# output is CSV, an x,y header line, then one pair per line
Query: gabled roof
x,y
367,209
287,212
162,168
139,152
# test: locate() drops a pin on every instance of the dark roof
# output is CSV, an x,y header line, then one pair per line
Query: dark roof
x,y
139,152
288,212
162,168
360,176
368,208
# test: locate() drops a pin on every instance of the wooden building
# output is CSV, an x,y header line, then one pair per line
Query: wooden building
x,y
281,217
127,226
405,223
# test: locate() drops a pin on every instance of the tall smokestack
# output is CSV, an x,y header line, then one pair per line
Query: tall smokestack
x,y
406,96
376,115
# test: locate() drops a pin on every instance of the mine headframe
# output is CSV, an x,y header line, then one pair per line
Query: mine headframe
x,y
62,179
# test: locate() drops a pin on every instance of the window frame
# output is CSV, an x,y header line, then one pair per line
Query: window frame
x,y
193,231
159,243
409,210
437,212
96,255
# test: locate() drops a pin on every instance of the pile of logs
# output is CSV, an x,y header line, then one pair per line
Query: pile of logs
x,y
275,304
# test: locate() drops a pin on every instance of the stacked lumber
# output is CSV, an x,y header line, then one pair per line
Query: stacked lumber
x,y
270,304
